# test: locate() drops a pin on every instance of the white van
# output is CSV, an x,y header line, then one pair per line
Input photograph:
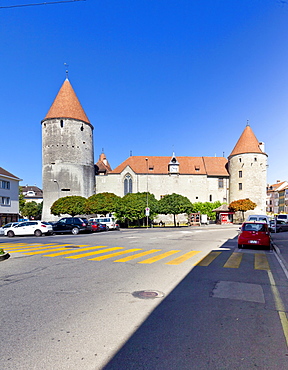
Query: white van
x,y
261,218
283,218
110,222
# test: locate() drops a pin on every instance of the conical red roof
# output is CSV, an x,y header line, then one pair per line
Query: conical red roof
x,y
67,105
247,143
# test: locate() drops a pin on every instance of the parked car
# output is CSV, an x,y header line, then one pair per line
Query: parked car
x,y
10,224
72,225
96,226
37,228
261,218
254,234
283,218
110,222
280,226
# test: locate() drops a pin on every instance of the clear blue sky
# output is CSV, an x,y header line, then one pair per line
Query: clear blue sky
x,y
153,76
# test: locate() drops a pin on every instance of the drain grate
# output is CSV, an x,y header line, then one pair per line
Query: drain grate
x,y
148,294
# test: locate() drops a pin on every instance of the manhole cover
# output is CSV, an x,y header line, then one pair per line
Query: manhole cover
x,y
148,294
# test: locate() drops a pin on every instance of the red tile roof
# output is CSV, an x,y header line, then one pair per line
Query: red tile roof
x,y
7,174
247,143
67,105
211,166
103,164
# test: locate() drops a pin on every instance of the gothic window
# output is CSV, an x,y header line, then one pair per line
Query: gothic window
x,y
240,173
240,185
127,184
61,123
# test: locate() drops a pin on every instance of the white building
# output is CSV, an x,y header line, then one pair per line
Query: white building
x,y
68,165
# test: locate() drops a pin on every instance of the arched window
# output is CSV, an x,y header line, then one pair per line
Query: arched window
x,y
127,184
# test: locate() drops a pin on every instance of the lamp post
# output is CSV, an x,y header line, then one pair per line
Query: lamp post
x,y
147,208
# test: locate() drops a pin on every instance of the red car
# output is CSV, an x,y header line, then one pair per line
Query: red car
x,y
254,234
96,226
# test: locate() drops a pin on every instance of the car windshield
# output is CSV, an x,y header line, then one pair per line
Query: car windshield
x,y
254,227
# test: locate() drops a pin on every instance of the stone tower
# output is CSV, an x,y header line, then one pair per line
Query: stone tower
x,y
67,150
247,165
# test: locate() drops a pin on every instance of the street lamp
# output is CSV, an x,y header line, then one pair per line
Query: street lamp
x,y
147,208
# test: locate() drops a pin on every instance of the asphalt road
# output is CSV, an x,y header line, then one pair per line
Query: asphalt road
x,y
160,304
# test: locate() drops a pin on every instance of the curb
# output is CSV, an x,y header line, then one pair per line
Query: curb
x,y
280,258
4,256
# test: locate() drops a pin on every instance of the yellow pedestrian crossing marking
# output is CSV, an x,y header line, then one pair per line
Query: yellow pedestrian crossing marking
x,y
114,254
73,251
49,250
208,259
159,257
97,252
35,248
10,248
182,258
138,255
261,262
234,260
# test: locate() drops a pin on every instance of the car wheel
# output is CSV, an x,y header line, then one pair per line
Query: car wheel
x,y
38,233
240,246
75,231
10,234
280,229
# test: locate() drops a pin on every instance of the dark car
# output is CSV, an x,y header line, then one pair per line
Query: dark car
x,y
254,234
96,226
281,225
72,225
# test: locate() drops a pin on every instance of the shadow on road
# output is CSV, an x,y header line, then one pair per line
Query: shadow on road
x,y
193,329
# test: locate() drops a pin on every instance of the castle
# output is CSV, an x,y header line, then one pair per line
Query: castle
x,y
68,165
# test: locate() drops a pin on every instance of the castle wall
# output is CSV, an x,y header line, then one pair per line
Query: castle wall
x,y
67,161
197,188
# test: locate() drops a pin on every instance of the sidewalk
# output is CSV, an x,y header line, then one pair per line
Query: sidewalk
x,y
280,244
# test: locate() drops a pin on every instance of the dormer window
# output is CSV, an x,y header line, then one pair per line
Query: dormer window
x,y
197,168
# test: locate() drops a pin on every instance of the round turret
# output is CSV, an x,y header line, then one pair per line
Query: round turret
x,y
247,165
67,150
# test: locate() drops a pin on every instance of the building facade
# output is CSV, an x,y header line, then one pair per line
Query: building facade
x,y
201,179
272,199
68,165
9,197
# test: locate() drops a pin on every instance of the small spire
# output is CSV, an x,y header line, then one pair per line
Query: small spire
x,y
67,70
247,124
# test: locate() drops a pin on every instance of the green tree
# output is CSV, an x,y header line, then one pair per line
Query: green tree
x,y
31,209
22,201
72,205
132,207
205,208
102,203
242,205
174,204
